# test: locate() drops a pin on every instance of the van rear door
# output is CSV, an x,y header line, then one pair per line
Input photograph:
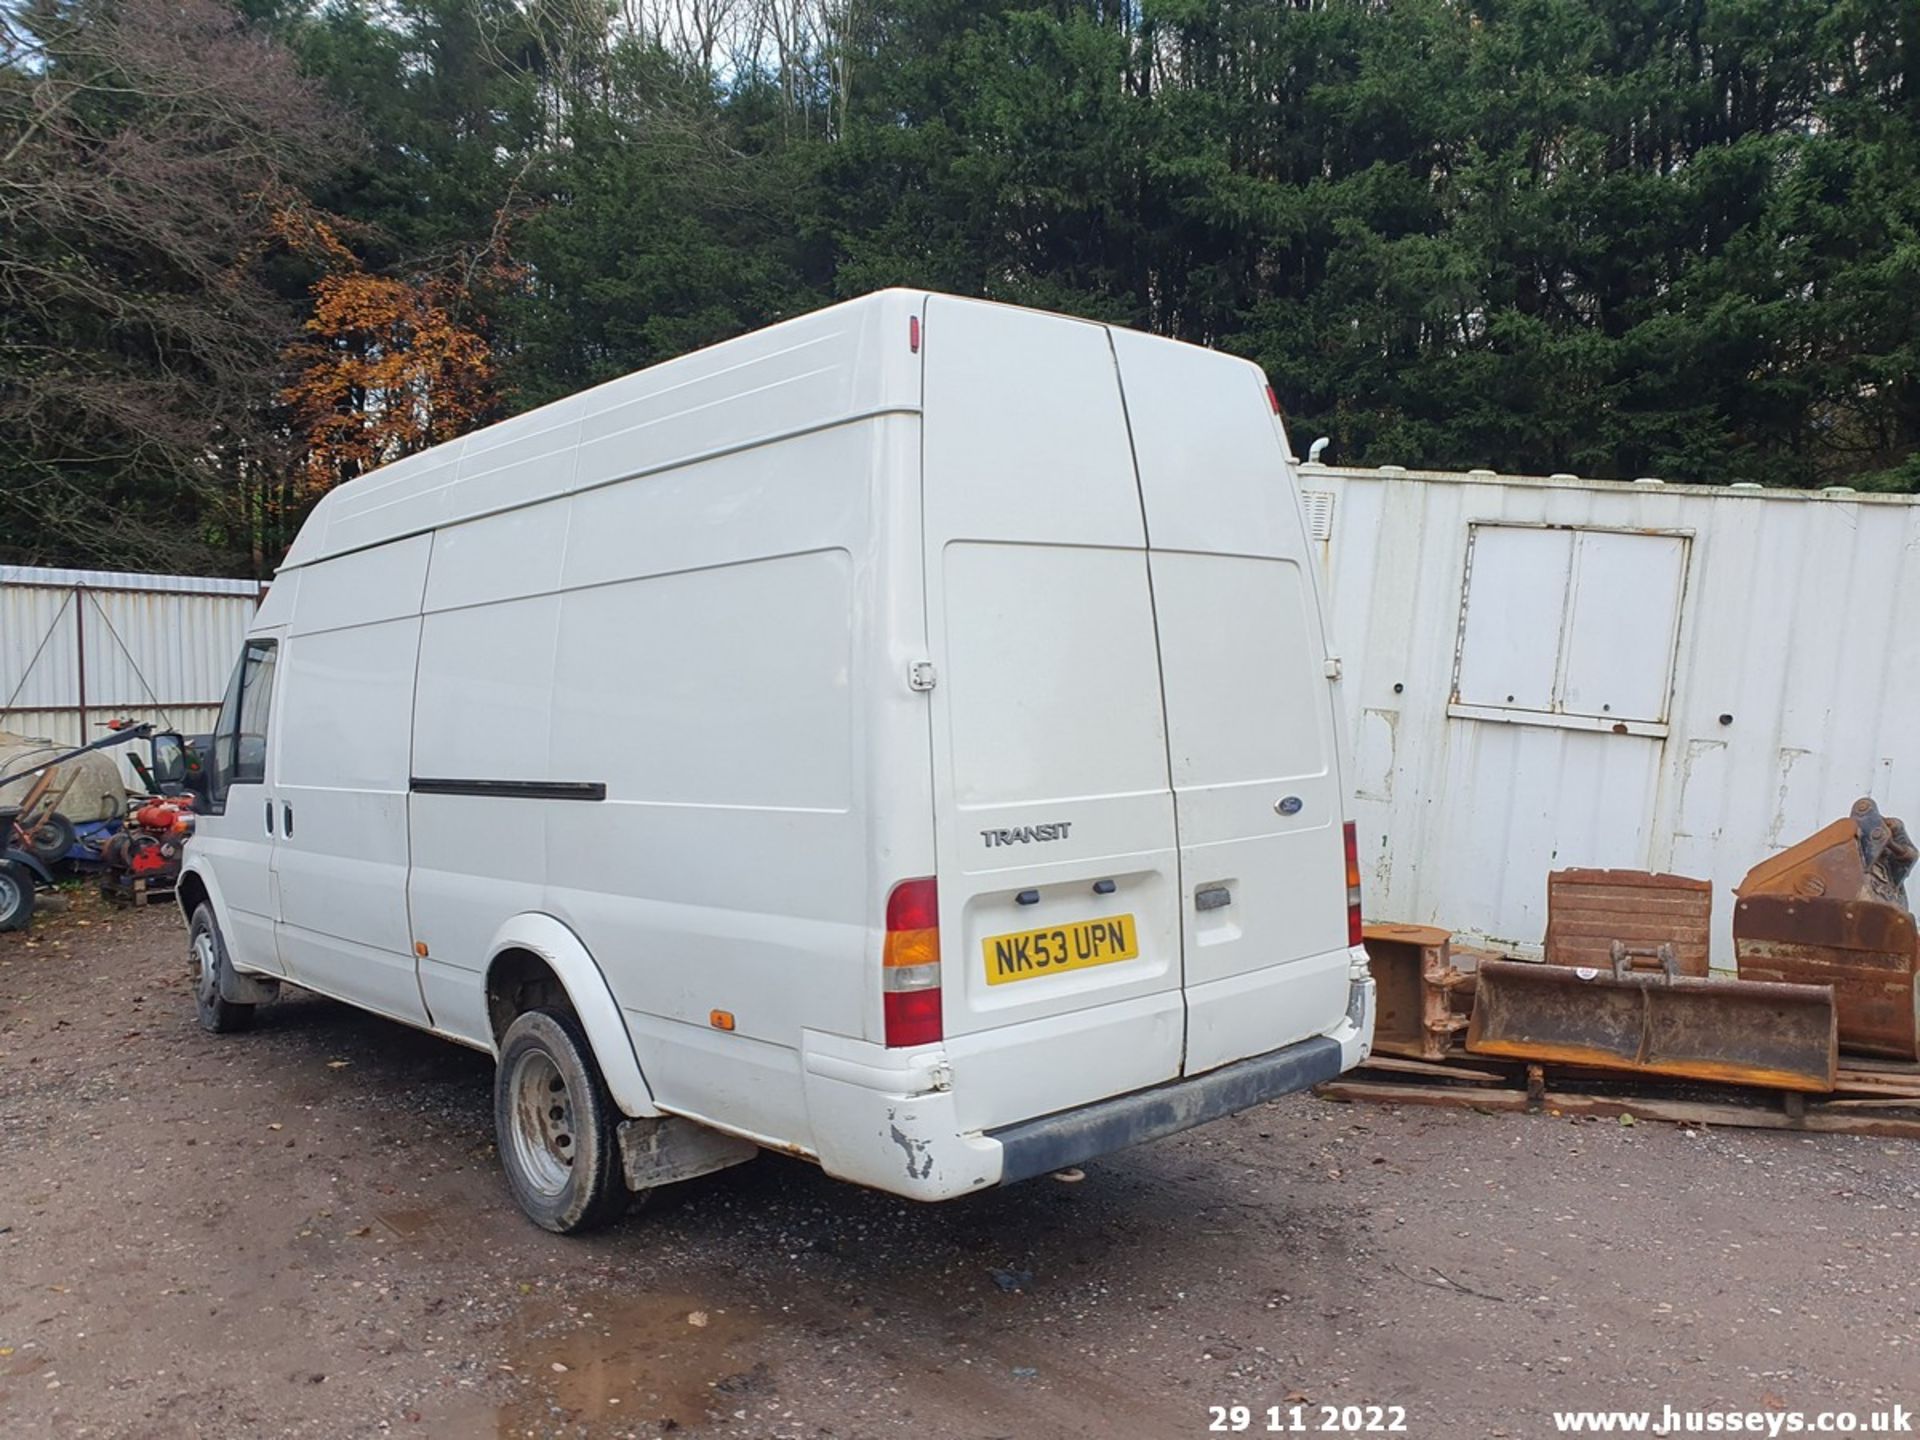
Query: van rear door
x,y
1250,707
1059,884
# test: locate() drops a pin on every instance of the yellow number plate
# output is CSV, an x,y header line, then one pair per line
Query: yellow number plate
x,y
1027,953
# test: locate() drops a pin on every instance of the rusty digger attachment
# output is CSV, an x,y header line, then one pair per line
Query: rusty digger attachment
x,y
1832,910
1657,1022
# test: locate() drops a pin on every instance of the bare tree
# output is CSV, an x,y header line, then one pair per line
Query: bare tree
x,y
145,146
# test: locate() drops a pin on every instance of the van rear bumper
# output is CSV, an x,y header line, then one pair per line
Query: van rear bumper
x,y
889,1119
1053,1142
893,1125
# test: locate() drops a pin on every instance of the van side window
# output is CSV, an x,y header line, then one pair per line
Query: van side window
x,y
240,739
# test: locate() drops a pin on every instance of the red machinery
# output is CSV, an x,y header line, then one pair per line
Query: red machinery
x,y
144,858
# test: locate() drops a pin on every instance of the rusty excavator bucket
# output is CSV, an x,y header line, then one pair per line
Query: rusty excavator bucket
x,y
1866,856
1832,910
1657,1023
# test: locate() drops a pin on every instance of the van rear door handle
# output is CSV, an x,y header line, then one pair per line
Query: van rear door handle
x,y
1213,897
286,819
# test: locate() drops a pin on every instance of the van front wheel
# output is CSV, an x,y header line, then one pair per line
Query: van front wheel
x,y
555,1126
217,1014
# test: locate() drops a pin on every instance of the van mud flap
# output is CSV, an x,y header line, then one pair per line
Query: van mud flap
x,y
1660,1023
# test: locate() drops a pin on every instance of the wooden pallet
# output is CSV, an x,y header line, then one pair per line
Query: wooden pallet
x,y
1870,1098
138,891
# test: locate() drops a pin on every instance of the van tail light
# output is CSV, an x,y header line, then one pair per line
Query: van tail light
x,y
1353,884
910,965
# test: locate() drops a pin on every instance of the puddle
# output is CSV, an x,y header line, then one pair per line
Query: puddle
x,y
639,1364
408,1223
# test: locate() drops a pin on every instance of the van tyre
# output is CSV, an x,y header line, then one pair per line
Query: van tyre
x,y
211,965
556,1124
16,896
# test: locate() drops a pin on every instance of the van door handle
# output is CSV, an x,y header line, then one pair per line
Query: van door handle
x,y
1213,897
269,817
286,819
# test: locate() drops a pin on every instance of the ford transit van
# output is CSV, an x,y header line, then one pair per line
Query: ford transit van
x,y
904,737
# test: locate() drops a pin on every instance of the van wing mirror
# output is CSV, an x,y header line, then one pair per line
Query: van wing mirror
x,y
170,767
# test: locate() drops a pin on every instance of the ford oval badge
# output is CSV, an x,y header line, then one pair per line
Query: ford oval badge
x,y
1290,805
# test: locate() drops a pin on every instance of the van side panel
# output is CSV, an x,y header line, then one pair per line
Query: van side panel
x,y
343,721
706,671
693,642
480,714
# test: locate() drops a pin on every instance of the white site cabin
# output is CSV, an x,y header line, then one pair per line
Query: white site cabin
x,y
904,737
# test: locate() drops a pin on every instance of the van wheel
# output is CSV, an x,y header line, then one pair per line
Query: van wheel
x,y
555,1124
16,896
210,962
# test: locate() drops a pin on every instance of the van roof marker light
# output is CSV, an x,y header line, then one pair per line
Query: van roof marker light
x,y
913,333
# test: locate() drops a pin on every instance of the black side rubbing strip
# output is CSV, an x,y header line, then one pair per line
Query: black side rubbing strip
x,y
512,789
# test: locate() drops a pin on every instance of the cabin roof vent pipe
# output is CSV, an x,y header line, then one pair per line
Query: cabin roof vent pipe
x,y
1314,450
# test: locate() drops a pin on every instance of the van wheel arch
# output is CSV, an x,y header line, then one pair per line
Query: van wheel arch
x,y
191,892
519,980
536,962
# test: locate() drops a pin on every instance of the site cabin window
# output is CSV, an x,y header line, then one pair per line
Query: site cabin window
x,y
1569,626
240,738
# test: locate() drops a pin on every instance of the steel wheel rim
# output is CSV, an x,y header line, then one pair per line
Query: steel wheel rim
x,y
540,1122
11,895
206,969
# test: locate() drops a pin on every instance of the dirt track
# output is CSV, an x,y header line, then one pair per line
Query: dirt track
x,y
302,1231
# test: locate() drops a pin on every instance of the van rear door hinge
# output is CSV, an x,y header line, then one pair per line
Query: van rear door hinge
x,y
1333,667
921,676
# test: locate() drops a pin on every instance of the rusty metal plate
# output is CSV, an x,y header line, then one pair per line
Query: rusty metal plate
x,y
1738,1031
1865,950
1587,910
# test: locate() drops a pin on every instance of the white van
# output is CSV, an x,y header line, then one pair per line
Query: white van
x,y
904,737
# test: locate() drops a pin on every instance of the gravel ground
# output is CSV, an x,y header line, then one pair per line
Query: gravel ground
x,y
302,1231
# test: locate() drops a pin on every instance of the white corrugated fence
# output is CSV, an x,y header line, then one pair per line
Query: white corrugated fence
x,y
81,647
1558,672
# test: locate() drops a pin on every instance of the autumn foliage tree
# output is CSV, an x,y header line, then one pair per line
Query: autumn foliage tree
x,y
386,366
